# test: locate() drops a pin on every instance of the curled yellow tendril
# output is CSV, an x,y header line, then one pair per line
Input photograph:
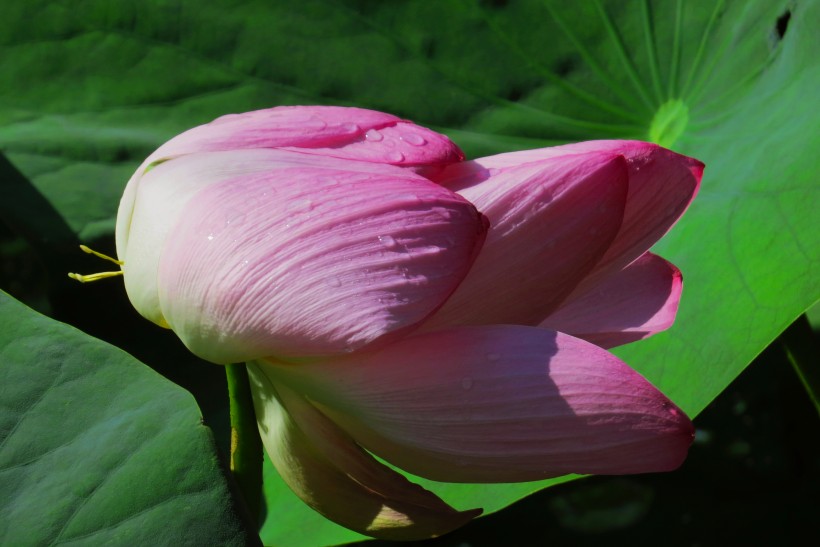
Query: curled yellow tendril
x,y
97,276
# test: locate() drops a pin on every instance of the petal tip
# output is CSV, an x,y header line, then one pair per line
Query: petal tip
x,y
679,437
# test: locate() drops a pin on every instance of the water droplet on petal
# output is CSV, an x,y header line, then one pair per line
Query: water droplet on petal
x,y
492,357
315,123
414,139
442,213
333,281
373,135
387,241
210,237
395,156
466,383
350,128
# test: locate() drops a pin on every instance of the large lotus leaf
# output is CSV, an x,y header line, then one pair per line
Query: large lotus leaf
x,y
96,448
96,86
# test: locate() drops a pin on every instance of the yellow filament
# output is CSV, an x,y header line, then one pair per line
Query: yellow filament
x,y
85,249
97,276
93,277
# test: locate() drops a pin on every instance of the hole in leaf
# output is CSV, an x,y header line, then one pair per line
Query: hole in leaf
x,y
782,24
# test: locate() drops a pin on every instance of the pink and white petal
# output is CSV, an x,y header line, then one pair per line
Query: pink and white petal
x,y
662,184
497,404
309,261
550,224
160,198
324,131
334,476
623,307
164,191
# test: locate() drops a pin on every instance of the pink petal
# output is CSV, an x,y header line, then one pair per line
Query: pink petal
x,y
160,197
629,305
662,184
311,260
327,131
551,222
327,470
341,132
497,404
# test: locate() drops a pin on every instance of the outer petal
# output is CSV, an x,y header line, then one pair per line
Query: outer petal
x,y
165,191
498,404
629,305
311,260
333,475
162,196
350,133
329,131
661,186
551,222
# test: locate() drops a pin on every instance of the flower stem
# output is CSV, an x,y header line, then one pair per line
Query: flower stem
x,y
799,343
246,446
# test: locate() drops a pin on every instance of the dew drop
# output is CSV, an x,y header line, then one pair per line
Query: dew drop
x,y
315,123
414,139
373,135
466,383
387,241
443,213
350,128
493,357
333,281
210,237
395,156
